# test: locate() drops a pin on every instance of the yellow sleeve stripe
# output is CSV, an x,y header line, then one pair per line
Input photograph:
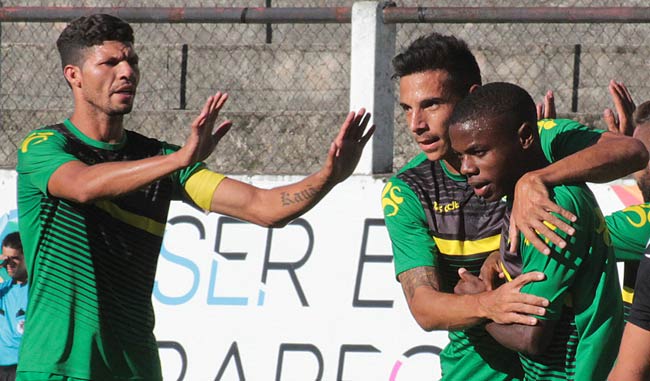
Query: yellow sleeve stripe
x,y
201,186
628,295
505,272
455,247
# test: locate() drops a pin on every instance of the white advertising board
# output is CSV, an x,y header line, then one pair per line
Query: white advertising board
x,y
315,300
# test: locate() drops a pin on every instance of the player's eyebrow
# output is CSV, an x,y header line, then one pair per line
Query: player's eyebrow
x,y
432,101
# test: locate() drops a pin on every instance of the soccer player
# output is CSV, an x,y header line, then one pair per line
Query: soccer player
x,y
437,224
633,362
495,134
631,229
93,200
13,305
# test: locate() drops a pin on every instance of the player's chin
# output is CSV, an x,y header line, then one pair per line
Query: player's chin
x,y
121,110
435,155
488,192
493,196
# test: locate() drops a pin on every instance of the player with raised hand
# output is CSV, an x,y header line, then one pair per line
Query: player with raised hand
x,y
93,199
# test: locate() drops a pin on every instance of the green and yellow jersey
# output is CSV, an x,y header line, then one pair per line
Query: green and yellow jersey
x,y
434,219
640,311
92,266
583,291
630,232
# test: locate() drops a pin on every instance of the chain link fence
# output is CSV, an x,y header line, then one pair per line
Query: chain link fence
x,y
576,61
289,83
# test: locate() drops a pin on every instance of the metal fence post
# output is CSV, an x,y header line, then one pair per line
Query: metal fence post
x,y
372,48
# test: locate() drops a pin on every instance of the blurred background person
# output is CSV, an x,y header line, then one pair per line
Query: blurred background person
x,y
13,305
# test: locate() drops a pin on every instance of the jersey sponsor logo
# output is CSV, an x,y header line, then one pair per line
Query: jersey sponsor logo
x,y
34,138
545,124
444,208
391,199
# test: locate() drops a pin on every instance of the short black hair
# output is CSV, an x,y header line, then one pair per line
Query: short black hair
x,y
86,31
12,241
642,114
435,51
496,99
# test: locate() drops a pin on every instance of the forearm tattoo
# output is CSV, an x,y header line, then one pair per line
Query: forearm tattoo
x,y
416,277
298,197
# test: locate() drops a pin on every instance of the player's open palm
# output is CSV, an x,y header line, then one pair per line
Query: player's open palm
x,y
202,140
345,151
624,104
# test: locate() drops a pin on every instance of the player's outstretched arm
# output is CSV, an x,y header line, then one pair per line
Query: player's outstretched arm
x,y
79,182
436,310
277,206
613,156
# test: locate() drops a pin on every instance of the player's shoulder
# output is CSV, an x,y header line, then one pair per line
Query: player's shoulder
x,y
574,197
562,191
55,132
398,180
48,130
400,191
546,126
641,209
417,161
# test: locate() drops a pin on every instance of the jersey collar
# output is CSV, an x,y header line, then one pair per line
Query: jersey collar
x,y
92,142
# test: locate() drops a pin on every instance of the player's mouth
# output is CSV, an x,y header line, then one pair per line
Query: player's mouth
x,y
481,189
430,144
127,92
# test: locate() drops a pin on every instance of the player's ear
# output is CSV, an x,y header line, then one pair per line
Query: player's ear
x,y
72,74
526,135
473,88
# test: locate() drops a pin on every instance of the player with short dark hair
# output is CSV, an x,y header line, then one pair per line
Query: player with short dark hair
x,y
440,52
437,225
90,31
93,200
495,134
